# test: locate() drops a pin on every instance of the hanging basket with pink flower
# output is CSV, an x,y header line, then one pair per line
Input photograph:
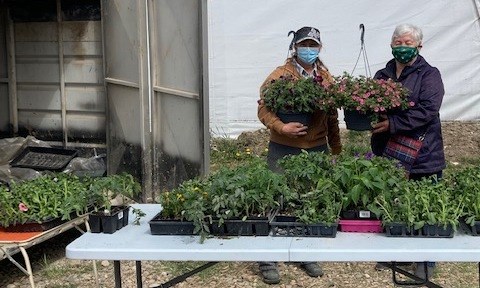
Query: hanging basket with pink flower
x,y
367,98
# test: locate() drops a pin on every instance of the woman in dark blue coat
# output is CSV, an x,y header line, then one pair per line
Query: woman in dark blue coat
x,y
423,119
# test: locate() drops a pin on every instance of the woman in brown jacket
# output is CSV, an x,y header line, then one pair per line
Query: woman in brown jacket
x,y
322,133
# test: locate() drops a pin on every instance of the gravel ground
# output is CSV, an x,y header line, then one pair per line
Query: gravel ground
x,y
52,270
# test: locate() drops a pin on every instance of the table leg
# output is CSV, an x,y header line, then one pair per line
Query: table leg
x,y
117,273
28,266
417,280
138,269
182,277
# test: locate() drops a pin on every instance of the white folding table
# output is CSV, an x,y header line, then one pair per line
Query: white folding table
x,y
134,242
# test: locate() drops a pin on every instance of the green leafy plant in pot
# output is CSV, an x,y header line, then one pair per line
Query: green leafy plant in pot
x,y
108,218
313,195
35,205
248,193
364,177
313,202
287,96
466,187
184,210
426,207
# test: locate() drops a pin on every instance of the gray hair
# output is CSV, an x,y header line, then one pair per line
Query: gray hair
x,y
413,30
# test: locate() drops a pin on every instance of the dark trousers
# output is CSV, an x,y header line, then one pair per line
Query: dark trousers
x,y
278,151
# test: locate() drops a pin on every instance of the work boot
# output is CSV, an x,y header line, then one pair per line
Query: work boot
x,y
269,272
312,269
420,269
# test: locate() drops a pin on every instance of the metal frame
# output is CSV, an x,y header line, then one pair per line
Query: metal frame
x,y
9,248
138,272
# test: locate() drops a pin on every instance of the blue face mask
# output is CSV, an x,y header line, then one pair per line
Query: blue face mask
x,y
307,55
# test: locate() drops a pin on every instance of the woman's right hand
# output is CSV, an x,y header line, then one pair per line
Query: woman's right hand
x,y
294,129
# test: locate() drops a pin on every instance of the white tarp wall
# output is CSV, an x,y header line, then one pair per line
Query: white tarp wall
x,y
248,39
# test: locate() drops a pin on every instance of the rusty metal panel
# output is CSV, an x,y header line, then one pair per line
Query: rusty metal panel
x,y
82,98
39,80
87,126
122,72
4,101
38,97
83,70
4,111
125,136
44,49
82,31
156,130
36,32
177,44
178,144
47,122
84,80
180,130
37,70
121,40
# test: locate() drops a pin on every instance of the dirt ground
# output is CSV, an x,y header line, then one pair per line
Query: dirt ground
x,y
52,270
461,140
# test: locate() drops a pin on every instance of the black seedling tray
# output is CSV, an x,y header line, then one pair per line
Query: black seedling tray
x,y
287,226
44,158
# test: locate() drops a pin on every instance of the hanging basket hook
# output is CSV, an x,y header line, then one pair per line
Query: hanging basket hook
x,y
362,28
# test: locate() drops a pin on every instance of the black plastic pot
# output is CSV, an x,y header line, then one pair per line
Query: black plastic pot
x,y
357,121
472,230
427,231
160,226
95,223
437,231
236,227
288,117
288,226
109,223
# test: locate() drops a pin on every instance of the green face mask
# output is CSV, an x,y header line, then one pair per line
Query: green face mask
x,y
404,54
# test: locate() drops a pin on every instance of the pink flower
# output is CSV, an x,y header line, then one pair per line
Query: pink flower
x,y
411,103
22,207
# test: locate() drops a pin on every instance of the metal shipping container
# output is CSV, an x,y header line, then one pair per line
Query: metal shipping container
x,y
126,76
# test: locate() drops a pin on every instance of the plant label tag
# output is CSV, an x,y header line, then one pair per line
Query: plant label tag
x,y
364,214
120,216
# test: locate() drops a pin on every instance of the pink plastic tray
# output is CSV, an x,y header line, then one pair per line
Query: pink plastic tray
x,y
370,226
